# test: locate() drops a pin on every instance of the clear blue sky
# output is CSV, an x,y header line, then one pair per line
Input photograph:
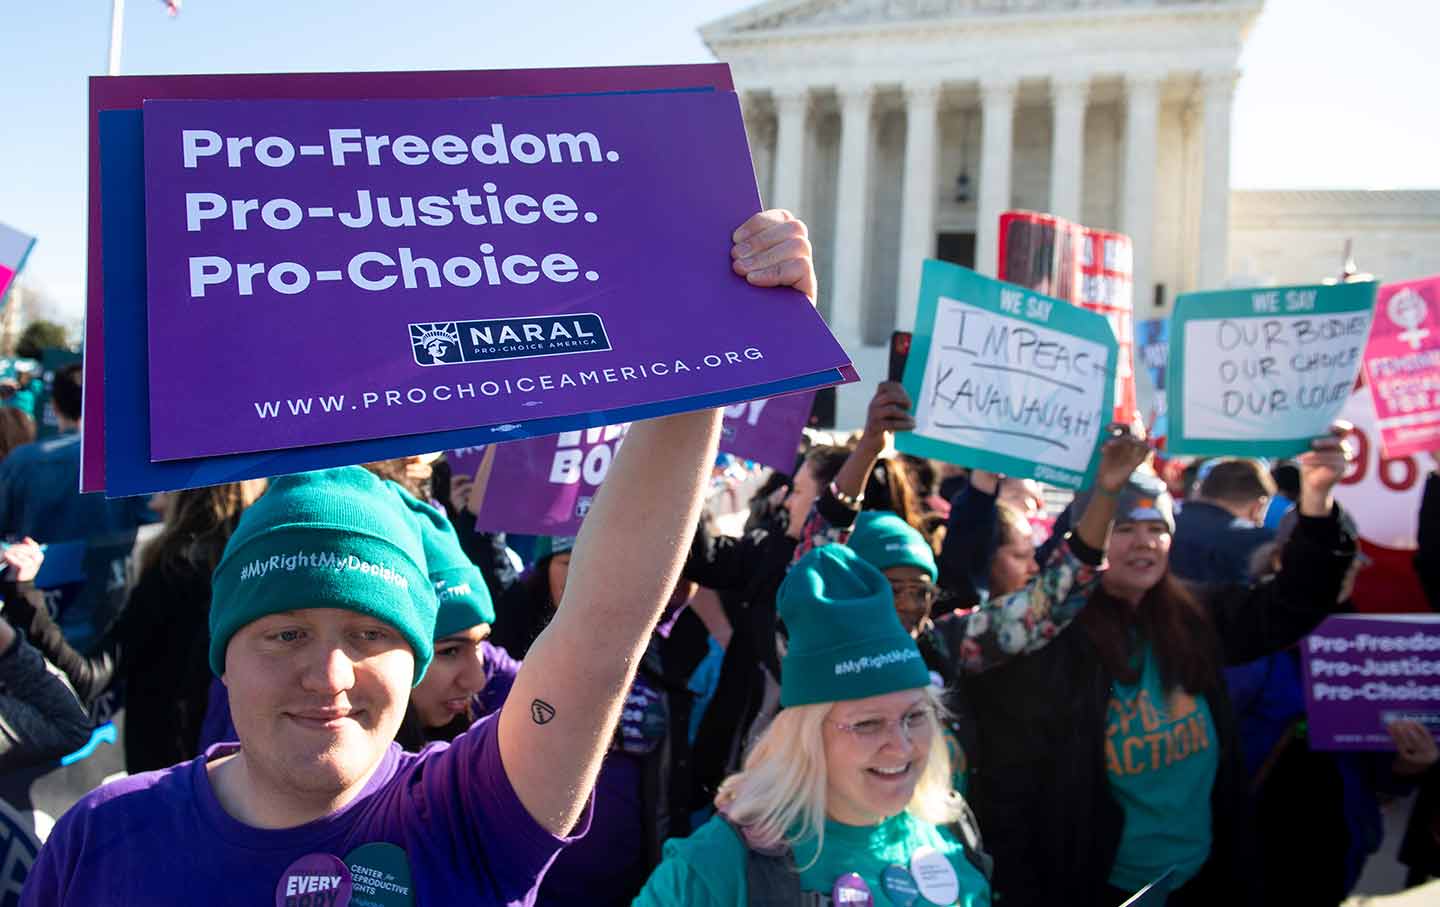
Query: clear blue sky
x,y
1336,93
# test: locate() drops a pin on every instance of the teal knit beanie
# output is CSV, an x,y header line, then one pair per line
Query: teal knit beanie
x,y
459,585
846,641
883,540
337,538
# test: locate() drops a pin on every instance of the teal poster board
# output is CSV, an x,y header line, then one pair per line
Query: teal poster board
x,y
1261,372
1008,380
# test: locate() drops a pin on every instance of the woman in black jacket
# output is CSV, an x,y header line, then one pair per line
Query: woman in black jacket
x,y
157,645
1110,758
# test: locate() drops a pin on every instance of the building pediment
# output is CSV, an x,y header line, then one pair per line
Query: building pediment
x,y
784,15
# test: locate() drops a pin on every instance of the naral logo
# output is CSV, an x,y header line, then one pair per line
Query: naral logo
x,y
454,342
435,344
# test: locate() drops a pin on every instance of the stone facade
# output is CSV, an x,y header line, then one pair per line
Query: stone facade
x,y
864,115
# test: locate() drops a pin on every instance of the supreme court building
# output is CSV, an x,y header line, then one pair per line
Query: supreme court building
x,y
901,129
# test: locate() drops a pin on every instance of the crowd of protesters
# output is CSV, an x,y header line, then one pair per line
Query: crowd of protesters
x,y
902,683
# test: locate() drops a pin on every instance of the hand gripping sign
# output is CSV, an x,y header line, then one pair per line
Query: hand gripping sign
x,y
1007,380
1262,372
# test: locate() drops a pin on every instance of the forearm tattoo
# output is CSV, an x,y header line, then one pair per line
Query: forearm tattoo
x,y
541,711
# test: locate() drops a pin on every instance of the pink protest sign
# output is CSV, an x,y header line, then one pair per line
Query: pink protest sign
x,y
1402,366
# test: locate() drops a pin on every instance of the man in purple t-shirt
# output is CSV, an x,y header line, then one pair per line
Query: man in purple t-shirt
x,y
321,622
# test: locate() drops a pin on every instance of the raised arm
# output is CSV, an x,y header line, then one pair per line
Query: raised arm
x,y
561,712
1026,620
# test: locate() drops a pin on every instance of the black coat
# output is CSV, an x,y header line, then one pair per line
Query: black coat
x,y
1043,796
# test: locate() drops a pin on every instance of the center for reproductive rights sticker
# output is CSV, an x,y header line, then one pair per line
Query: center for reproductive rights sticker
x,y
457,342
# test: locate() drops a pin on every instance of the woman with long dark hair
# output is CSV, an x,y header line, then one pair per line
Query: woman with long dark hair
x,y
1111,757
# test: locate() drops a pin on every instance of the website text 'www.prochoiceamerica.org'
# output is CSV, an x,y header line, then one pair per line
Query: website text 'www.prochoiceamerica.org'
x,y
422,395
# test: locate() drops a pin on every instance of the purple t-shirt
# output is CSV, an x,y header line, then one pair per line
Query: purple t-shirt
x,y
607,866
163,837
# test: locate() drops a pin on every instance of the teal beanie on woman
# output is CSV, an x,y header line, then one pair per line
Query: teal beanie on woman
x,y
459,585
846,641
337,538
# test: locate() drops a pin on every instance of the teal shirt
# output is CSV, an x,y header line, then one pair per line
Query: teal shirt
x,y
707,869
1161,756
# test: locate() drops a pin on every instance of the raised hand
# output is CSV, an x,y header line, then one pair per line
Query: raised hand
x,y
1322,467
772,249
1120,455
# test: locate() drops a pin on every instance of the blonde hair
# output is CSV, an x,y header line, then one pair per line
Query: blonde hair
x,y
783,784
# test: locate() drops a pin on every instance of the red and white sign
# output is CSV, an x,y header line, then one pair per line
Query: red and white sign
x,y
1093,269
1383,493
1402,366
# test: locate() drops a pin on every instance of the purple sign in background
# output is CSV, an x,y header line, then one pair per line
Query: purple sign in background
x,y
767,431
465,461
117,93
337,329
544,486
1361,673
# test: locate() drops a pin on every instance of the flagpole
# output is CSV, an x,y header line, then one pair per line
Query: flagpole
x,y
117,33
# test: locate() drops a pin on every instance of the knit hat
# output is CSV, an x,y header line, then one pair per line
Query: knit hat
x,y
846,641
337,538
459,586
551,545
1144,497
883,540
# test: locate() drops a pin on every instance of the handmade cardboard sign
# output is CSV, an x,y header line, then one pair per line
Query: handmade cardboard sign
x,y
1363,672
1262,372
386,268
1007,380
1402,366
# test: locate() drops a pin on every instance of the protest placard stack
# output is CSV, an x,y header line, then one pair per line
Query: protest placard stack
x,y
289,273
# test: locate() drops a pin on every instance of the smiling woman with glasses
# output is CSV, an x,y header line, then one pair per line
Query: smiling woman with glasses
x,y
848,793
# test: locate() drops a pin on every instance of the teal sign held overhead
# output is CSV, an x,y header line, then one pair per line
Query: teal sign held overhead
x,y
1261,372
1007,380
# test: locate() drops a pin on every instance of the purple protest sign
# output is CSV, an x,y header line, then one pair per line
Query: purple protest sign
x,y
386,268
1363,672
544,486
118,93
767,431
465,461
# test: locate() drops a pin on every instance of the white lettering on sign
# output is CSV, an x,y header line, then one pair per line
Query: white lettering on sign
x,y
1014,386
586,455
1270,377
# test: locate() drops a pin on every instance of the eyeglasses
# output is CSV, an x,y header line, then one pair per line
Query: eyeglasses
x,y
923,593
916,723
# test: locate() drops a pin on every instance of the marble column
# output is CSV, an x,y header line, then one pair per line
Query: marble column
x,y
996,151
917,195
1069,96
1137,219
791,107
851,215
1219,90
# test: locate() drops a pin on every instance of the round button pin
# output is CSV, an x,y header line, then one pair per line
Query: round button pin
x,y
935,877
899,887
851,891
314,880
